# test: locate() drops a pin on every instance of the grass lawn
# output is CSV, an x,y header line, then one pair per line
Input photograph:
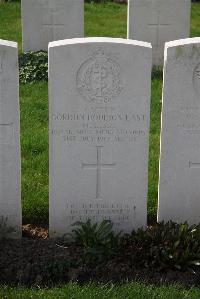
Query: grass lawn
x,y
100,20
34,145
127,291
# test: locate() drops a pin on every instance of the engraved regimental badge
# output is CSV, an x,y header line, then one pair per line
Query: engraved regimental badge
x,y
98,78
196,78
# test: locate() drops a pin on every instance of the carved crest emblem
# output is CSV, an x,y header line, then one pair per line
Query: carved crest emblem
x,y
98,78
196,78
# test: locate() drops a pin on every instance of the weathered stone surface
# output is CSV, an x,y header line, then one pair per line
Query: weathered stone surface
x,y
45,21
179,187
10,197
157,22
99,95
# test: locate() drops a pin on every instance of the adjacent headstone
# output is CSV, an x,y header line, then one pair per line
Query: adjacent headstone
x,y
157,22
10,198
45,21
99,92
179,187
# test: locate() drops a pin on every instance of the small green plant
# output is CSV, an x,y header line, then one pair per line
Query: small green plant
x,y
99,241
165,245
5,229
162,246
33,67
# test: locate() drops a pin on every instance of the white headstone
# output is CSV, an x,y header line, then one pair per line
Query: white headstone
x,y
10,197
157,22
45,21
99,129
179,187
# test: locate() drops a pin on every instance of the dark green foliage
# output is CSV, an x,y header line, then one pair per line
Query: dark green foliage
x,y
12,0
98,240
157,73
97,1
168,245
33,67
162,246
56,269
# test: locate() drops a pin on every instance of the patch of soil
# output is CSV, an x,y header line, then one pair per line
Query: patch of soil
x,y
38,261
33,231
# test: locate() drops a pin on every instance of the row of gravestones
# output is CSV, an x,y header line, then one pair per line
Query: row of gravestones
x,y
99,114
153,21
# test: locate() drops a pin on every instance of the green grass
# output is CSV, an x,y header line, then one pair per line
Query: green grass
x,y
34,144
195,20
154,146
10,22
100,20
106,20
128,291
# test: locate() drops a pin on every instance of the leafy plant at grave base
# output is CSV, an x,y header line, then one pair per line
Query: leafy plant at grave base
x,y
166,245
5,230
33,67
99,241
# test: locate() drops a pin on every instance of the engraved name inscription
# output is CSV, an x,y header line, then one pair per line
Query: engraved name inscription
x,y
189,119
116,212
99,127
